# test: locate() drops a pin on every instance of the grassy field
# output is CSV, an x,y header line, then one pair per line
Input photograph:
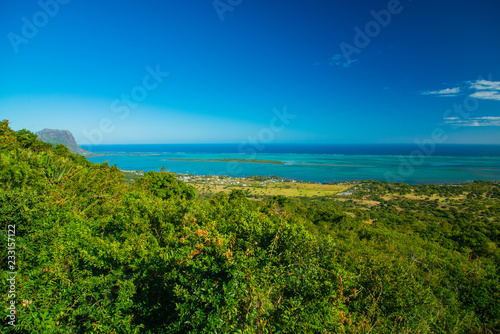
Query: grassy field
x,y
289,189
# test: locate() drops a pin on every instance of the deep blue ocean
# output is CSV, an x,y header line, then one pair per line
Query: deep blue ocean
x,y
409,163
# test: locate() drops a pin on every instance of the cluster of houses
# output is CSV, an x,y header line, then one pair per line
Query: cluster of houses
x,y
136,172
228,180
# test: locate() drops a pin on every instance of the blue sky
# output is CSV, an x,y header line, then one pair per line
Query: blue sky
x,y
206,71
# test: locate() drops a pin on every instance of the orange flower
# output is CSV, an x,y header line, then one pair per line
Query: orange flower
x,y
228,254
194,253
201,233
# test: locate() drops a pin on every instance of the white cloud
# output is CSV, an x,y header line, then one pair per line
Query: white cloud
x,y
485,85
479,89
486,90
487,95
443,92
473,121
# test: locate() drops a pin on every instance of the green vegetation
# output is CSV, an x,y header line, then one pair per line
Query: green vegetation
x,y
254,161
97,255
132,175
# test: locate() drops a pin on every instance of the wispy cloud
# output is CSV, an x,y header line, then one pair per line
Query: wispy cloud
x,y
479,89
443,92
485,85
487,95
485,89
340,60
473,121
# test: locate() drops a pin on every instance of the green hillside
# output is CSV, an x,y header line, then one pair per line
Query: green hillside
x,y
96,255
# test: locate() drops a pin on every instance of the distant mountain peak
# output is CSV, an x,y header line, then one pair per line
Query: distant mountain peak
x,y
63,137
